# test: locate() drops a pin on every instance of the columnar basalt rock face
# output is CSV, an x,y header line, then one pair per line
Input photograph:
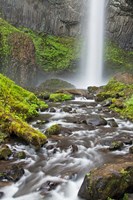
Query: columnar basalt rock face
x,y
59,17
119,24
63,17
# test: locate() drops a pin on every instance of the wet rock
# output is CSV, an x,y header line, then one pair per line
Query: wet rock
x,y
96,121
1,194
74,148
21,155
109,180
52,109
128,142
44,96
116,145
49,147
131,150
107,103
112,123
67,109
5,152
12,174
48,186
40,122
53,130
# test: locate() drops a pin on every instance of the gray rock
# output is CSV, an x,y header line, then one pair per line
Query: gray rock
x,y
112,123
109,180
64,17
96,121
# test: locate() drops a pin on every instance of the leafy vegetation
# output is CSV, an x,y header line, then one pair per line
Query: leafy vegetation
x,y
16,106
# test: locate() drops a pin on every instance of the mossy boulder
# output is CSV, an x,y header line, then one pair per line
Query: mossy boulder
x,y
16,106
53,130
5,152
21,155
11,173
52,85
3,137
109,180
58,97
116,145
120,95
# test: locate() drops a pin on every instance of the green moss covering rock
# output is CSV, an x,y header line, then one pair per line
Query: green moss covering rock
x,y
110,180
54,53
16,106
53,130
5,152
58,97
116,145
52,85
117,59
120,96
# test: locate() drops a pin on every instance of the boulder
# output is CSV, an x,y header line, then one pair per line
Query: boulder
x,y
108,181
5,152
96,121
131,149
11,173
116,145
52,85
112,123
53,130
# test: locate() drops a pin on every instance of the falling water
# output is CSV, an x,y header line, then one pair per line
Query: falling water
x,y
92,54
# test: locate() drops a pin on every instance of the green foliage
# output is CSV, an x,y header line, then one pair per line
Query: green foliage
x,y
121,96
5,31
60,97
17,105
17,100
117,58
54,53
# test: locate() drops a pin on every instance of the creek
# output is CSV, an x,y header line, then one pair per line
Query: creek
x,y
56,171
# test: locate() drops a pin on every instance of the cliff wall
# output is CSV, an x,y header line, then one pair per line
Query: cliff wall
x,y
63,17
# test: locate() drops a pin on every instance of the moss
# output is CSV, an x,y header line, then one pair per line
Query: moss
x,y
116,145
53,130
5,30
5,152
3,136
120,95
54,53
60,97
21,155
117,58
16,106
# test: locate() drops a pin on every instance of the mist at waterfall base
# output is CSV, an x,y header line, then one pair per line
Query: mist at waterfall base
x,y
90,72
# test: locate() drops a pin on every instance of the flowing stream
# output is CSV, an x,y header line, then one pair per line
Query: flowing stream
x,y
56,172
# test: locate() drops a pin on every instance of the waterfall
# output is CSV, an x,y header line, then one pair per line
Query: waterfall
x,y
92,53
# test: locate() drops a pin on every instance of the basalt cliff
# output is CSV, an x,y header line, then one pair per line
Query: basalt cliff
x,y
62,21
63,17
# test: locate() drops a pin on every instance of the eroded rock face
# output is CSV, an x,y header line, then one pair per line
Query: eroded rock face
x,y
119,24
22,67
51,16
63,17
110,180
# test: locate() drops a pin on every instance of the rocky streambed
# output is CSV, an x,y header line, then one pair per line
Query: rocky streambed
x,y
86,139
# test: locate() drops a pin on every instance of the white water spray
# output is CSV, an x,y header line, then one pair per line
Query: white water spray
x,y
92,55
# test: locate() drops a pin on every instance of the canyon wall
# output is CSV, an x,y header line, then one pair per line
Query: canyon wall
x,y
63,17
